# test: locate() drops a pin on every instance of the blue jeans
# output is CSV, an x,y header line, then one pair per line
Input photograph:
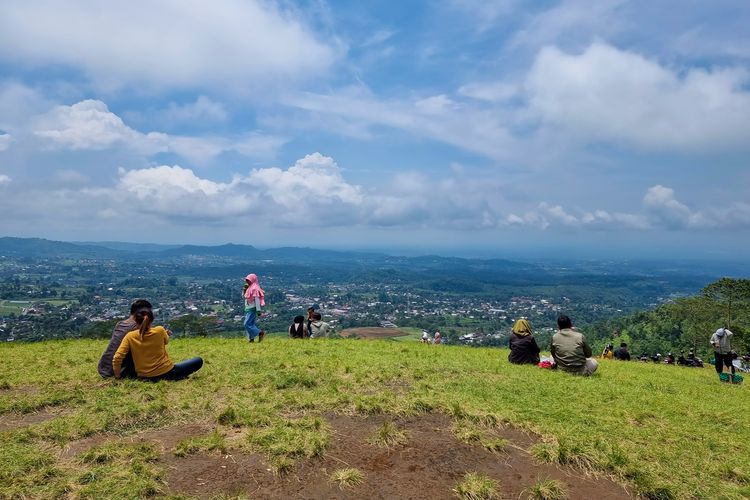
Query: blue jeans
x,y
250,327
180,370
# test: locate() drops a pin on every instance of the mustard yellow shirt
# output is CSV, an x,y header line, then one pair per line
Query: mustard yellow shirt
x,y
149,354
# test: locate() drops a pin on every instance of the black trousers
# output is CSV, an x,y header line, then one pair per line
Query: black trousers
x,y
722,360
181,370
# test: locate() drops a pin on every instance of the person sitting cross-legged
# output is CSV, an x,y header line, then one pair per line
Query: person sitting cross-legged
x,y
148,347
570,350
523,347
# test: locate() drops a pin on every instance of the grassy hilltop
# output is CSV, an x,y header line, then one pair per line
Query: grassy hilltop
x,y
663,431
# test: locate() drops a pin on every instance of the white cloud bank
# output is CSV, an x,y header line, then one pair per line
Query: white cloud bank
x,y
314,193
600,95
90,125
606,94
226,44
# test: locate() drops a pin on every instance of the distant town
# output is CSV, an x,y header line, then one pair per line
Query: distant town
x,y
63,295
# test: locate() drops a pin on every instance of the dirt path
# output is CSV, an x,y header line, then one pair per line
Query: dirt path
x,y
429,465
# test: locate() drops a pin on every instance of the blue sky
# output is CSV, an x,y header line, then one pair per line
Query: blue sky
x,y
459,126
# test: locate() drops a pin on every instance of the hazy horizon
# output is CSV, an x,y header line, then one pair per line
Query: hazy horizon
x,y
529,254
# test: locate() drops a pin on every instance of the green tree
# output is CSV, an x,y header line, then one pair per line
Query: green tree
x,y
731,294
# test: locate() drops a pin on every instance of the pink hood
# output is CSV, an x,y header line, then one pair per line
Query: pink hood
x,y
254,290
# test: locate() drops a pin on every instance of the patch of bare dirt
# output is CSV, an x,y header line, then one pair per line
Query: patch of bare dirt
x,y
166,439
12,421
373,332
429,465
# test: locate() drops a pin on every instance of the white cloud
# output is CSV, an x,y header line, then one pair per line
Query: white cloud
x,y
90,125
472,127
576,19
482,12
662,211
229,44
311,192
5,140
546,216
202,110
489,91
664,207
377,38
4,179
606,94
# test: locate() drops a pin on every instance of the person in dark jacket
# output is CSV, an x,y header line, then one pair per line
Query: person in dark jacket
x,y
622,353
298,329
523,347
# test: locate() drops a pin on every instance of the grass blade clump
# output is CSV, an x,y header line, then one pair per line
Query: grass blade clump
x,y
467,433
388,435
120,470
189,446
347,478
549,489
287,440
476,486
494,445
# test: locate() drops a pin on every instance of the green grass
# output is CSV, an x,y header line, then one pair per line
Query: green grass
x,y
475,486
668,432
347,478
388,435
548,489
214,441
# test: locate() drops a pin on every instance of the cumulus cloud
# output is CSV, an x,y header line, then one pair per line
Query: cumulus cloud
x,y
661,210
4,179
311,192
607,94
229,44
661,203
90,125
546,215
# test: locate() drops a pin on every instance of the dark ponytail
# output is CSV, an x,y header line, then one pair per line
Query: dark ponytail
x,y
146,317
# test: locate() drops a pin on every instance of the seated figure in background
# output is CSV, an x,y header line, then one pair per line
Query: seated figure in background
x,y
523,346
570,350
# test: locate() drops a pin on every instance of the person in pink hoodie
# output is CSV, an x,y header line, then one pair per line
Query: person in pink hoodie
x,y
254,301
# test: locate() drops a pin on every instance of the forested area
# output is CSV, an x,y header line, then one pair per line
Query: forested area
x,y
685,323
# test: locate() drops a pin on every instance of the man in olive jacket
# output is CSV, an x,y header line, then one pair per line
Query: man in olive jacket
x,y
570,350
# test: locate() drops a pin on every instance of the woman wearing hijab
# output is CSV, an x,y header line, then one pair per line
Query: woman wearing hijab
x,y
523,348
254,300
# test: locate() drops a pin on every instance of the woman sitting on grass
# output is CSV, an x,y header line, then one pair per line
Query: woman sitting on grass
x,y
523,348
298,329
147,345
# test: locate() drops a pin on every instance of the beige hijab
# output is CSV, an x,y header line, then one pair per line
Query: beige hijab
x,y
522,328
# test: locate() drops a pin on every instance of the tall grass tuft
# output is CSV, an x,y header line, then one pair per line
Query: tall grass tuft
x,y
388,435
476,486
347,478
548,489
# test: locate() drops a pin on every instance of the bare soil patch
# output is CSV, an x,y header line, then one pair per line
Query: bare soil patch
x,y
166,439
373,332
11,421
428,465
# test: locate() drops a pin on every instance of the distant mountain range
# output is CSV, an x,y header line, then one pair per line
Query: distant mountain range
x,y
239,254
